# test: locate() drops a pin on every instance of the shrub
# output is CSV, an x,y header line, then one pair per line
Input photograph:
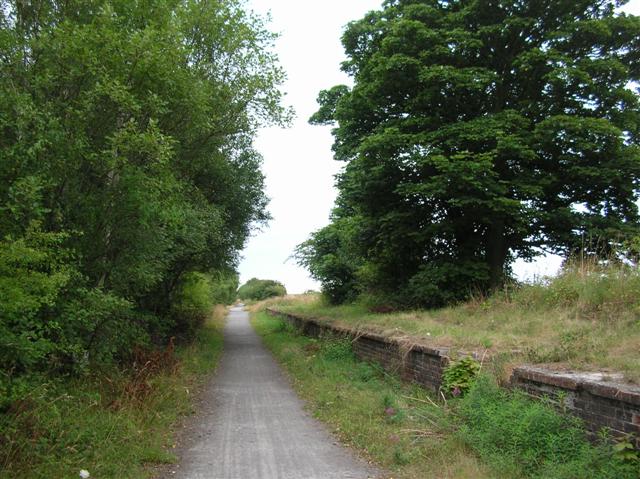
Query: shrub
x,y
259,289
459,376
194,301
50,321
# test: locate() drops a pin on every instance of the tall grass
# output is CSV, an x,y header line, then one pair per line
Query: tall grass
x,y
587,317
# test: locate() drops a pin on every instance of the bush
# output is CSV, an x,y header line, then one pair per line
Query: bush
x,y
259,289
197,295
531,439
459,376
50,321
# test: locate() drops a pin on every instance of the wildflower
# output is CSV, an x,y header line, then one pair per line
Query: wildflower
x,y
84,474
456,391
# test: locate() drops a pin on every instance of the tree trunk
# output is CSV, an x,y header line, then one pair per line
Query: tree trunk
x,y
496,253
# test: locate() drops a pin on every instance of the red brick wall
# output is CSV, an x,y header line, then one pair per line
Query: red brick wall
x,y
601,401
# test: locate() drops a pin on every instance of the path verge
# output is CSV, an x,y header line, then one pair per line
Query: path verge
x,y
252,425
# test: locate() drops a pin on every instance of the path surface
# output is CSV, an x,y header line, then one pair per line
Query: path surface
x,y
253,426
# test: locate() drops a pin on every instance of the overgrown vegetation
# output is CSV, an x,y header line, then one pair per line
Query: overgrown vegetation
x,y
486,433
477,132
392,424
527,438
128,178
259,289
588,316
128,185
110,422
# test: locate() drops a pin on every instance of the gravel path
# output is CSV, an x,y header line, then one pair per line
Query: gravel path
x,y
253,426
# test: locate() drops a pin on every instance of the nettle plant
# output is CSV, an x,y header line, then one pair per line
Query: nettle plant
x,y
460,375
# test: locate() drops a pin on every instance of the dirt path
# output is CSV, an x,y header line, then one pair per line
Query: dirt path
x,y
253,426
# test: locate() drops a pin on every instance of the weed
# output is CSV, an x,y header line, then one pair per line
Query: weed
x,y
400,457
284,326
459,375
111,423
337,349
531,439
626,452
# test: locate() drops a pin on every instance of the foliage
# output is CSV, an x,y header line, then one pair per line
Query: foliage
x,y
531,439
459,376
128,178
196,296
477,132
327,256
626,452
259,289
50,321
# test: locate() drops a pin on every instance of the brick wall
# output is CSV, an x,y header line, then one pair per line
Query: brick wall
x,y
600,400
412,362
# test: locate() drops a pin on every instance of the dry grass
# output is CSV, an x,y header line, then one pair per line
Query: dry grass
x,y
586,318
218,314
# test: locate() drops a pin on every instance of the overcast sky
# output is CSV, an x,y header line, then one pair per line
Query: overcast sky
x,y
298,161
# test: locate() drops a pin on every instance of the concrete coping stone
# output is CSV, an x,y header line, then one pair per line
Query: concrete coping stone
x,y
606,385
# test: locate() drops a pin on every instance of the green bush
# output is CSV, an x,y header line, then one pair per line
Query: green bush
x,y
51,321
531,439
259,289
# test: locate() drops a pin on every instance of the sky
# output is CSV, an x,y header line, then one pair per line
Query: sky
x,y
298,161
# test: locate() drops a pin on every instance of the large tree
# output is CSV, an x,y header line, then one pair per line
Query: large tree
x,y
480,131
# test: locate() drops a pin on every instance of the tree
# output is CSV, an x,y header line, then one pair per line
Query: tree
x,y
259,289
126,134
480,131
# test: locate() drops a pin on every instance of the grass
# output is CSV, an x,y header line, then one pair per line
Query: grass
x,y
116,424
586,318
392,424
489,433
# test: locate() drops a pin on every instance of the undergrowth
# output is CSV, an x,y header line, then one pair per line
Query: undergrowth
x,y
485,433
395,425
526,438
112,423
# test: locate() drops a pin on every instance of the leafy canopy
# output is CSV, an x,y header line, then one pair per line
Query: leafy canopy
x,y
259,289
477,132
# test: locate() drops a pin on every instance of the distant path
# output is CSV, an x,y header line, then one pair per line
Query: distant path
x,y
253,426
